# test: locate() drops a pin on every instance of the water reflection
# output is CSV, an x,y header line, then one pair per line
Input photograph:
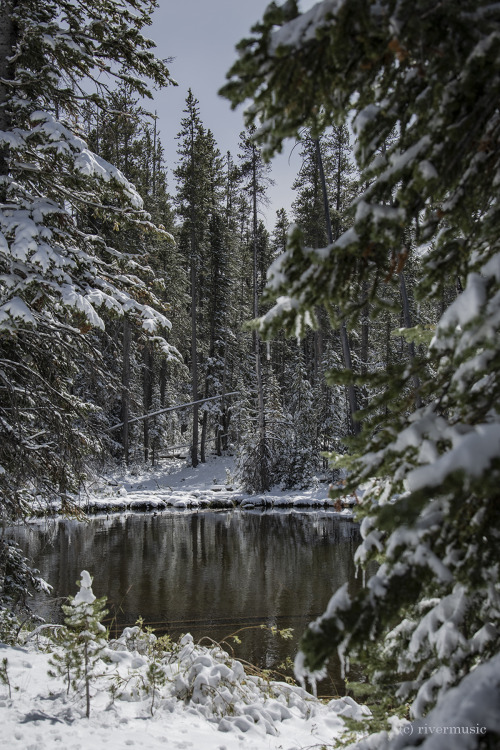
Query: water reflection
x,y
210,573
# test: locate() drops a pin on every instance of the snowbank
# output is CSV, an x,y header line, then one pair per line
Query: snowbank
x,y
207,701
209,485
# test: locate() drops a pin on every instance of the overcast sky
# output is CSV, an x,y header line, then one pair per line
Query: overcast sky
x,y
201,36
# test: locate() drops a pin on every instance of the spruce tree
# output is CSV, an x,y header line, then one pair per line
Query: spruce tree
x,y
301,456
82,639
428,619
59,276
127,134
18,579
255,180
192,199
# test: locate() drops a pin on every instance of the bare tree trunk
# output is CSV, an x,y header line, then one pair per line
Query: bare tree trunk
x,y
147,395
346,350
263,471
411,346
194,363
125,411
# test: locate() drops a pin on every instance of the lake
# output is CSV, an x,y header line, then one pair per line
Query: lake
x,y
209,573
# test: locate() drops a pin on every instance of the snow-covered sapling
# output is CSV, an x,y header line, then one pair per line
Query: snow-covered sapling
x,y
82,638
4,676
155,678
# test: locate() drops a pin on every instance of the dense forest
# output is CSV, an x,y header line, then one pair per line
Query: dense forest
x,y
363,326
195,263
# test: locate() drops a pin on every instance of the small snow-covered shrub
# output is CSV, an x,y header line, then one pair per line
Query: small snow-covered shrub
x,y
4,675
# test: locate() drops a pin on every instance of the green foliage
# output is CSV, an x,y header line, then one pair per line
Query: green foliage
x,y
154,678
383,706
82,640
64,267
416,335
420,84
18,579
4,676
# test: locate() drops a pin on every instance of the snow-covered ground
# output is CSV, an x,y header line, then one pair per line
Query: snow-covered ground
x,y
207,702
212,484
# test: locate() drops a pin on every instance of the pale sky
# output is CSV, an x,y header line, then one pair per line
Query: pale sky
x,y
201,35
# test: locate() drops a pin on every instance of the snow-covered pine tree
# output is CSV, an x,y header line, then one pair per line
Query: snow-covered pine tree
x,y
308,207
218,306
82,639
255,174
58,276
301,456
427,624
214,287
325,187
18,579
282,350
128,135
193,199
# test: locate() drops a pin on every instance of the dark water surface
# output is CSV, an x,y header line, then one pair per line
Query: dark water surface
x,y
209,573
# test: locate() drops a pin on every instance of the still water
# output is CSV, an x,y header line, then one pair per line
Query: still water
x,y
209,573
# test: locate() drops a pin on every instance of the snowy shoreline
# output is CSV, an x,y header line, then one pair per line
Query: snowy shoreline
x,y
76,687
209,486
96,506
205,699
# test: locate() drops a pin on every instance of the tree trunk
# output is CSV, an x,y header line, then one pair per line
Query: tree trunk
x,y
194,363
411,346
346,350
125,410
87,679
203,441
163,381
263,472
223,427
147,395
194,333
365,330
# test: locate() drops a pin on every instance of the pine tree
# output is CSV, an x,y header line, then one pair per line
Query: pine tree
x,y
192,198
428,618
60,278
125,133
308,207
18,579
82,639
301,456
255,176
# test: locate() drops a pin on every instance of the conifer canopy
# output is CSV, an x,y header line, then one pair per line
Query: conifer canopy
x,y
419,83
